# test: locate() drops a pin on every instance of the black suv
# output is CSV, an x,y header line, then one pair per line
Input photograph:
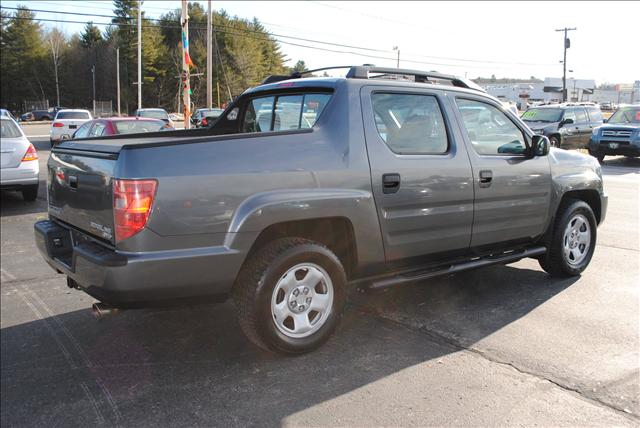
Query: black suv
x,y
568,126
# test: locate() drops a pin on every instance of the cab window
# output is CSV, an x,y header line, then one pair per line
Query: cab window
x,y
489,130
284,112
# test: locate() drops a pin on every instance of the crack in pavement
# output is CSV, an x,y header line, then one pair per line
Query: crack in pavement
x,y
443,339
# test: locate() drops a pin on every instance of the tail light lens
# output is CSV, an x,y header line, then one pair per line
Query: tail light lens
x,y
31,154
132,203
58,124
204,121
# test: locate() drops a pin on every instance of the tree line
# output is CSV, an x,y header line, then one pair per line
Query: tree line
x,y
39,63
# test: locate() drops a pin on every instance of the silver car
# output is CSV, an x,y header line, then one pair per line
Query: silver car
x,y
19,161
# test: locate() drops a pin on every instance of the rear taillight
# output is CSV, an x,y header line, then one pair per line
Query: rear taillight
x,y
204,121
132,203
58,124
31,154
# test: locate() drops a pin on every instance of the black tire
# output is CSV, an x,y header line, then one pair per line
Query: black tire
x,y
597,155
554,140
554,262
30,193
253,290
254,287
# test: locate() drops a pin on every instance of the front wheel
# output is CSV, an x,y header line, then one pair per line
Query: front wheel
x,y
573,240
597,155
554,141
290,295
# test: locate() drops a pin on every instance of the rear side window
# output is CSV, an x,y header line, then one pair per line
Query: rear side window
x,y
72,115
410,124
98,130
284,112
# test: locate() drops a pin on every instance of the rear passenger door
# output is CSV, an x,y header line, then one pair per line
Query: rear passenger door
x,y
420,173
512,191
583,128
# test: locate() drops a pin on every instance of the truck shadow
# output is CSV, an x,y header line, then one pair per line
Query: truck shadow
x,y
192,366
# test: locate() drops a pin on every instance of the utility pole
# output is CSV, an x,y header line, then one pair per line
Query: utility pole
x,y
186,60
567,44
139,54
209,45
93,75
118,77
396,48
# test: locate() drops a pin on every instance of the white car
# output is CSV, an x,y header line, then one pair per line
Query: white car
x,y
19,161
66,122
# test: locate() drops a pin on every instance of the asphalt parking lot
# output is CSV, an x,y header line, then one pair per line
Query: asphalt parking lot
x,y
506,345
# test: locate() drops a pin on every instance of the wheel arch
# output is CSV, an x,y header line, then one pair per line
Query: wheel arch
x,y
336,233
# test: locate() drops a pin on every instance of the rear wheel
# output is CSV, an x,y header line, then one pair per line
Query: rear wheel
x,y
290,295
30,193
573,240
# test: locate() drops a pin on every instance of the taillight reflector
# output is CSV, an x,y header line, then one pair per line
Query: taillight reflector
x,y
58,124
31,154
204,121
132,203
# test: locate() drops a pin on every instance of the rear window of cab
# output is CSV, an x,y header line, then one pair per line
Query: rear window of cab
x,y
283,112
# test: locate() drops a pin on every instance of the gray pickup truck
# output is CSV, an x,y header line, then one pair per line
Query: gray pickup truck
x,y
307,187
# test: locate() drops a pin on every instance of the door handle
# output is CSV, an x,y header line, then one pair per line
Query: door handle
x,y
485,178
390,183
73,181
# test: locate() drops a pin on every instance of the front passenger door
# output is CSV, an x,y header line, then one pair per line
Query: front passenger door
x,y
512,191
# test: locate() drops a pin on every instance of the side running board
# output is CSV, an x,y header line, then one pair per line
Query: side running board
x,y
508,257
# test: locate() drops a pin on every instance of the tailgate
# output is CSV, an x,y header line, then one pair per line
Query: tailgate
x,y
80,190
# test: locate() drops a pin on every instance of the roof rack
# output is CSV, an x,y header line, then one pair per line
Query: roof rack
x,y
364,71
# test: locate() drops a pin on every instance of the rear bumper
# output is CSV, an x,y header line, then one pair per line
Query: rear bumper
x,y
136,279
26,174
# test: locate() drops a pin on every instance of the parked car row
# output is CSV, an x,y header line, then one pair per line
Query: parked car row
x,y
580,126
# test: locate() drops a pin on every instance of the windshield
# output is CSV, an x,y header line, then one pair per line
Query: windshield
x,y
626,115
542,115
8,129
72,115
138,126
154,114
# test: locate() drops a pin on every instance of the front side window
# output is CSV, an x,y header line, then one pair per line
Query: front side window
x,y
569,114
581,115
595,115
284,112
410,124
489,130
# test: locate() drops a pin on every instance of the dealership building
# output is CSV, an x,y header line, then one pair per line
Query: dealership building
x,y
550,91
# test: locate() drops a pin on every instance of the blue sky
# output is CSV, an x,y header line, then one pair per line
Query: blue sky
x,y
508,39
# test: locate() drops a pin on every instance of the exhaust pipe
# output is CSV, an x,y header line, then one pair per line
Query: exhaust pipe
x,y
102,310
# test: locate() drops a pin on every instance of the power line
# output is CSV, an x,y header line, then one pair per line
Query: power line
x,y
321,42
259,38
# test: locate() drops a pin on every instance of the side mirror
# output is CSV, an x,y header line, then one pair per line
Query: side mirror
x,y
566,121
540,145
